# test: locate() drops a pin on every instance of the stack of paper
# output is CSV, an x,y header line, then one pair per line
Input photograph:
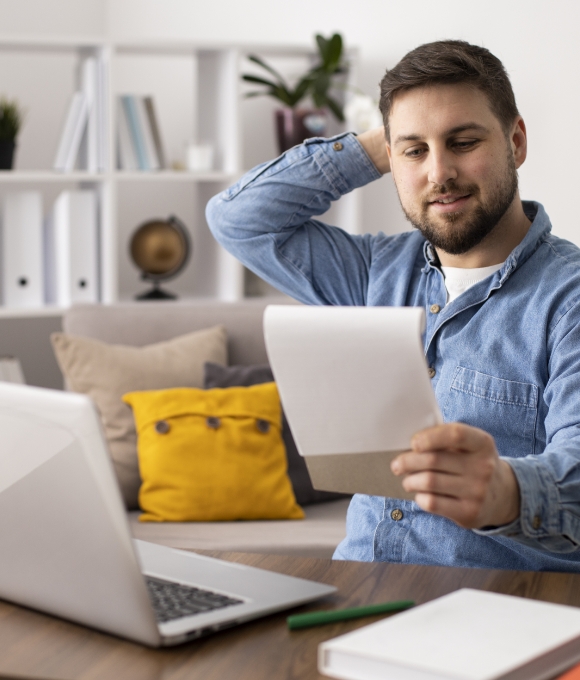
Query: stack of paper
x,y
355,388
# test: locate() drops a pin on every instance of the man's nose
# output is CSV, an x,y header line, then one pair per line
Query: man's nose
x,y
441,167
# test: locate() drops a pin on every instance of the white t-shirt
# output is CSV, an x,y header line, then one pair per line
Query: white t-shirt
x,y
458,280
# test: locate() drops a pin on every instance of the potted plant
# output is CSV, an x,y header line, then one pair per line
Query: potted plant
x,y
293,124
11,116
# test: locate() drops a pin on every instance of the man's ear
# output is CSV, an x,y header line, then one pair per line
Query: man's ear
x,y
519,141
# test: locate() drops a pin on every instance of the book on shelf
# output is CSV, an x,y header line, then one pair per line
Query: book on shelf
x,y
11,370
22,252
138,139
83,138
154,125
72,133
90,151
126,152
466,635
71,249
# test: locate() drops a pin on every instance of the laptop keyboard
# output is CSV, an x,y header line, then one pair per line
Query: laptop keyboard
x,y
173,600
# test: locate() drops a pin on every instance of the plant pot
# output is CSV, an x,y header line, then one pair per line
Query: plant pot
x,y
6,153
293,126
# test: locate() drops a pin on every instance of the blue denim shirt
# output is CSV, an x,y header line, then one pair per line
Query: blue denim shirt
x,y
506,353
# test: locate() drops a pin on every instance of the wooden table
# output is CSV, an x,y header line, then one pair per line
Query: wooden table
x,y
36,646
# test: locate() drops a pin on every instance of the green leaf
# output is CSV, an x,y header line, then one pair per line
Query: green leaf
x,y
301,90
256,79
322,43
263,64
321,85
11,117
335,107
334,53
283,95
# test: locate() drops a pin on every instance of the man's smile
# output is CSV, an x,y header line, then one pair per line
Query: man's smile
x,y
449,202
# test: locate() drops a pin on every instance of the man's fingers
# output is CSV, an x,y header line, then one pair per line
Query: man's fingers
x,y
443,484
460,511
451,436
410,462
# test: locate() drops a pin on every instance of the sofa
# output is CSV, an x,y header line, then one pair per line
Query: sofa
x,y
143,323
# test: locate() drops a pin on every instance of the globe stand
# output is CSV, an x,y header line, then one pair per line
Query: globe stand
x,y
156,294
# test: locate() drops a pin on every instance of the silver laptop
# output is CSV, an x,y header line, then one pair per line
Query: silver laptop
x,y
66,547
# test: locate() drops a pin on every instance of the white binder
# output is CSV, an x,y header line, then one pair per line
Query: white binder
x,y
22,260
72,249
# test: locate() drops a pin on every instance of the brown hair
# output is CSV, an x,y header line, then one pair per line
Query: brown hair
x,y
447,62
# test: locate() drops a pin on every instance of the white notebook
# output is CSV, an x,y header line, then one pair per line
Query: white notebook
x,y
466,635
355,388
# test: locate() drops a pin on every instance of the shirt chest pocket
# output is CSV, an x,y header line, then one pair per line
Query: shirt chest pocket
x,y
505,408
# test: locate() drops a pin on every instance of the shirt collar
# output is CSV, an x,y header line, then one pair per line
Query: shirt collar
x,y
537,232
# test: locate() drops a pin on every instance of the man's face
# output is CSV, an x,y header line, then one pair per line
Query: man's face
x,y
453,166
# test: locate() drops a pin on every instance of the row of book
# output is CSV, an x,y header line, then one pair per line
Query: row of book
x,y
83,142
139,144
52,260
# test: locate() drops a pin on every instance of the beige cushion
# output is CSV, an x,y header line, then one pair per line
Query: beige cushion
x,y
106,372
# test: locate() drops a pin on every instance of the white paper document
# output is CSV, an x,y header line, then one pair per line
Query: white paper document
x,y
355,387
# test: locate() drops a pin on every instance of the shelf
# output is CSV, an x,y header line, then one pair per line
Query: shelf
x,y
23,312
41,176
173,176
199,101
15,176
49,43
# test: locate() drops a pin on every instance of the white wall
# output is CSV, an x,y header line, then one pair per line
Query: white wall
x,y
536,39
53,17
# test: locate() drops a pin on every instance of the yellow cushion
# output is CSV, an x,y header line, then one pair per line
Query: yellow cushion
x,y
209,455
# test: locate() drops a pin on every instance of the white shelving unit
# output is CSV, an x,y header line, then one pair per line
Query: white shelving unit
x,y
207,103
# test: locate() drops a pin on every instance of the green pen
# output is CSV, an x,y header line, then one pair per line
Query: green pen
x,y
320,618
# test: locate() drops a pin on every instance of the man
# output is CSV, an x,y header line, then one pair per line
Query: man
x,y
498,485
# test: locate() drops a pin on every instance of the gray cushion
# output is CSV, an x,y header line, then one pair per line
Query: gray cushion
x,y
244,376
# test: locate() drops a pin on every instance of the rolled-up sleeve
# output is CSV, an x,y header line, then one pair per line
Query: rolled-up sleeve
x,y
266,220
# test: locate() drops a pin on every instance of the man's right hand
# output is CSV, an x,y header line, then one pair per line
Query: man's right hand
x,y
374,143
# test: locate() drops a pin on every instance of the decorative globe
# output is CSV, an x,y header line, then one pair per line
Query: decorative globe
x,y
160,249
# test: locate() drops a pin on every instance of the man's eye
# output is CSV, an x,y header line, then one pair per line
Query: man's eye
x,y
462,146
414,153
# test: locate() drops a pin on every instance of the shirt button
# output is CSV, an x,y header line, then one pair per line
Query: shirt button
x,y
397,515
537,522
263,426
162,427
431,372
337,146
434,309
213,422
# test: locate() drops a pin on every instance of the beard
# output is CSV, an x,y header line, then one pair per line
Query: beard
x,y
460,232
